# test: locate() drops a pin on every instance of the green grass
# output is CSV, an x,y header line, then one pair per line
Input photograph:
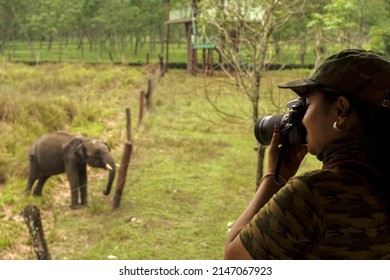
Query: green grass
x,y
191,173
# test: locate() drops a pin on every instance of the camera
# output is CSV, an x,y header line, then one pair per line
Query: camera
x,y
290,125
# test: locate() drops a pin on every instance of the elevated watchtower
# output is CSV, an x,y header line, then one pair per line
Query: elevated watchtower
x,y
187,16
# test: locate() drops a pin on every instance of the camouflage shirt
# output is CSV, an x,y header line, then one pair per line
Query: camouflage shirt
x,y
331,213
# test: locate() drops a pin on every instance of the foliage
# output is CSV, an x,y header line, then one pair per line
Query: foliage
x,y
108,26
349,22
378,32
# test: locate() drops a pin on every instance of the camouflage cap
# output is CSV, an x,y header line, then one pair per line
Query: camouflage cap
x,y
359,73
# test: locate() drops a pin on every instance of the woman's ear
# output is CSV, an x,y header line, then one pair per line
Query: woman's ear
x,y
347,119
343,106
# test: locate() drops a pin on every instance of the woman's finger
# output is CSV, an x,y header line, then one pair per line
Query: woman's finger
x,y
276,139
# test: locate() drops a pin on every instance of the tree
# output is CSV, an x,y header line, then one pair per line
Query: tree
x,y
241,33
337,23
377,21
351,23
21,12
7,24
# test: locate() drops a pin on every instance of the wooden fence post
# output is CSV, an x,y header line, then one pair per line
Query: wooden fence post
x,y
141,108
124,164
149,93
32,217
162,67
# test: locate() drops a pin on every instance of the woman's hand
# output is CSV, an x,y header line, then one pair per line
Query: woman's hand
x,y
292,157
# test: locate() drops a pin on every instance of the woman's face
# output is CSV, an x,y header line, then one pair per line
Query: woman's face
x,y
318,120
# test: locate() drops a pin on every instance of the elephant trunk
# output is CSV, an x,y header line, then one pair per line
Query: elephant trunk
x,y
110,166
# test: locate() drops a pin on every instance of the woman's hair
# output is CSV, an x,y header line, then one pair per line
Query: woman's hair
x,y
374,120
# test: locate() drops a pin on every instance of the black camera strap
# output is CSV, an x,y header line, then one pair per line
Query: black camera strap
x,y
280,158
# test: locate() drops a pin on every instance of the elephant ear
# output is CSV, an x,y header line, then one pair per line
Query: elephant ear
x,y
109,149
75,147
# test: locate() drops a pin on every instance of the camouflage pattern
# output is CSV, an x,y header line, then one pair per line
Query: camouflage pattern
x,y
323,214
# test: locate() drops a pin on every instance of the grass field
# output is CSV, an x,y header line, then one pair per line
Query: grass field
x,y
20,51
190,176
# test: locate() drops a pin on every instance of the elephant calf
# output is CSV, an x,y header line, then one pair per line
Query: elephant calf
x,y
60,152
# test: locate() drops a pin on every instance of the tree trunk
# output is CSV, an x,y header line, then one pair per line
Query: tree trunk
x,y
50,43
137,44
318,47
255,114
32,217
302,52
191,52
81,44
60,48
260,164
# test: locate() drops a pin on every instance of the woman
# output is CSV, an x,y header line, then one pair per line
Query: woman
x,y
340,211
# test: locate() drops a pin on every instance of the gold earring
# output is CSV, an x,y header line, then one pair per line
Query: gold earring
x,y
335,127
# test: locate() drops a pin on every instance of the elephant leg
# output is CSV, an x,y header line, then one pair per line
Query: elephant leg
x,y
83,187
74,193
73,171
32,176
38,188
30,183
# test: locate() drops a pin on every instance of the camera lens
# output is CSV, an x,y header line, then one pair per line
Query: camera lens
x,y
264,127
290,125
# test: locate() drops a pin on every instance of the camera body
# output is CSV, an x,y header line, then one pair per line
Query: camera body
x,y
290,125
